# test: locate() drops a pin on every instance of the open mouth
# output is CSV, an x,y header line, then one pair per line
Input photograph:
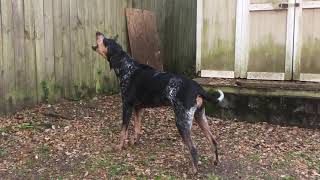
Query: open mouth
x,y
95,47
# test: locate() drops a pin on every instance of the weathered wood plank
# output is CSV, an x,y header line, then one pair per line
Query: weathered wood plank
x,y
144,39
20,64
101,63
8,54
73,51
66,45
80,46
58,44
2,80
30,53
40,52
89,41
49,48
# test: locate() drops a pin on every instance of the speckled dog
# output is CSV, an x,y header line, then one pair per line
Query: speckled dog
x,y
144,87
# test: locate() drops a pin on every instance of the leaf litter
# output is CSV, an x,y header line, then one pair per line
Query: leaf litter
x,y
75,140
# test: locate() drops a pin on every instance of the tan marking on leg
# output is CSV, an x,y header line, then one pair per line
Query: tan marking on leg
x,y
137,126
202,121
123,137
199,101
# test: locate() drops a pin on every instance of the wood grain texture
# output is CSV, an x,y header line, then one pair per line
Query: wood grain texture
x,y
8,55
58,45
2,69
144,39
30,53
39,45
66,46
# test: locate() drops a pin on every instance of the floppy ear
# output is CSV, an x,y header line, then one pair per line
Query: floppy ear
x,y
99,34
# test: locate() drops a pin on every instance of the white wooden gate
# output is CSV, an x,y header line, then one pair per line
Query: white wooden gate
x,y
273,39
306,65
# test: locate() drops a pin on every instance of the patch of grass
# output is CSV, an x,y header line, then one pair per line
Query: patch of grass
x,y
167,177
288,178
114,168
43,151
5,130
151,158
212,176
26,126
30,163
204,159
255,157
307,158
119,169
3,152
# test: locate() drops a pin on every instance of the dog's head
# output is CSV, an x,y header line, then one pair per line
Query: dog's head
x,y
106,47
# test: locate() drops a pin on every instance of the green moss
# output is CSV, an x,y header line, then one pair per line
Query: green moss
x,y
45,91
268,56
220,58
310,56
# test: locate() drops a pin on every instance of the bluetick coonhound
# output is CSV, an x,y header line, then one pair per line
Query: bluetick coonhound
x,y
144,87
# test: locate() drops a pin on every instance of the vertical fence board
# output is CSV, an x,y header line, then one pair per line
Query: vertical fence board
x,y
49,48
39,45
66,45
8,54
81,47
18,41
96,59
2,83
58,43
89,41
29,45
73,54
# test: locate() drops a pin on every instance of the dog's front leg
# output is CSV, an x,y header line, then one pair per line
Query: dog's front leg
x,y
137,125
126,116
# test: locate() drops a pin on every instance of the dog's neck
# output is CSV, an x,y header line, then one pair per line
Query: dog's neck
x,y
124,67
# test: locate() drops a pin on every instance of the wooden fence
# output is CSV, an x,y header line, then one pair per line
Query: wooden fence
x,y
45,45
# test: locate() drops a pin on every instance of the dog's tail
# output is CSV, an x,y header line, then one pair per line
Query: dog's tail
x,y
216,97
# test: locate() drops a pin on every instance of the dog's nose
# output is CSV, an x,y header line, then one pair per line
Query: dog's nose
x,y
94,48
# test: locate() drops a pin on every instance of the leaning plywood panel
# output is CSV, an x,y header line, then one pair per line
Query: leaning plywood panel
x,y
144,39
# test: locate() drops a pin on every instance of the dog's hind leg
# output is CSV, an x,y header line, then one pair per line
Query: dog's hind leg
x,y
126,116
137,125
184,122
201,119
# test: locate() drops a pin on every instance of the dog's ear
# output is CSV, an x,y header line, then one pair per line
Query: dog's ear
x,y
99,34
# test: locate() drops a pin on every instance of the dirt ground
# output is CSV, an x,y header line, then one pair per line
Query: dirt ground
x,y
75,140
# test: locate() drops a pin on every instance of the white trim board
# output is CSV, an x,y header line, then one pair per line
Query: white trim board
x,y
263,7
310,77
310,4
266,76
217,74
199,34
242,42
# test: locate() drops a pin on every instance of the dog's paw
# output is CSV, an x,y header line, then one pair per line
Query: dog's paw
x,y
118,147
216,162
134,141
193,171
